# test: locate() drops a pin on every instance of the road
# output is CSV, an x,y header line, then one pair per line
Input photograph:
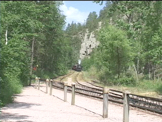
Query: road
x,y
34,105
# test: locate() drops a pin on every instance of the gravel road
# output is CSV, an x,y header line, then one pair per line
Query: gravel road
x,y
34,105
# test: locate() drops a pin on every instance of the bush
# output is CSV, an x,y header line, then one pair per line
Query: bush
x,y
14,69
11,84
159,89
126,81
86,63
150,85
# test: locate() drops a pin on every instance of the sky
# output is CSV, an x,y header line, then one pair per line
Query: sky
x,y
78,11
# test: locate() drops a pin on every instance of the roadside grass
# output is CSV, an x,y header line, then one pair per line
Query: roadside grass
x,y
159,89
90,75
144,87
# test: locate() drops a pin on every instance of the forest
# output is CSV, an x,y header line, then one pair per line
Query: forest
x,y
32,36
130,49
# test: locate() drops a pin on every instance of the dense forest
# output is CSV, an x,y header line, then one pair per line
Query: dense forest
x,y
130,50
130,41
32,36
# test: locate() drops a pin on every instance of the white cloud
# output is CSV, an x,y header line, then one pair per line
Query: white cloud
x,y
73,14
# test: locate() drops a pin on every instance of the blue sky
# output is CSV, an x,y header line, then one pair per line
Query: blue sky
x,y
78,11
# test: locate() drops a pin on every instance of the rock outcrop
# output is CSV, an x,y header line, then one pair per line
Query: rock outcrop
x,y
89,42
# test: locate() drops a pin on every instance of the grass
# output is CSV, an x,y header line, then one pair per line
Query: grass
x,y
137,90
145,87
90,75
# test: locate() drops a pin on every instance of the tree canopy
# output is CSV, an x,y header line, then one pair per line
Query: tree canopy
x,y
133,40
32,36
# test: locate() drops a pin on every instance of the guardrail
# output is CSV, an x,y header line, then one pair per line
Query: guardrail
x,y
138,101
127,99
146,103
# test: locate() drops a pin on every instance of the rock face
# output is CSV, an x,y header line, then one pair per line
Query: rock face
x,y
89,42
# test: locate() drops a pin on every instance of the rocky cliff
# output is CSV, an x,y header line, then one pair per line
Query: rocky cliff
x,y
89,42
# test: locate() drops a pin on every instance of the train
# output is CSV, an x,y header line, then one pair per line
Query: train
x,y
78,66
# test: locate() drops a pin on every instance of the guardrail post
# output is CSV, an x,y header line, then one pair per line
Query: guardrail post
x,y
73,94
36,80
105,102
51,86
65,91
47,81
126,106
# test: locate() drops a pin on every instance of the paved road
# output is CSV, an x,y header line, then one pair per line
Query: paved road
x,y
34,105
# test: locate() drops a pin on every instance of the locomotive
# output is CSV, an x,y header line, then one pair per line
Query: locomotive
x,y
78,66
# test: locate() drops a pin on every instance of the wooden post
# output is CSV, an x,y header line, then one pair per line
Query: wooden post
x,y
73,94
36,80
126,106
47,81
105,102
65,91
51,86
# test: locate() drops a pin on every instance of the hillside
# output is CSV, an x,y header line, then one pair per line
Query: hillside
x,y
88,42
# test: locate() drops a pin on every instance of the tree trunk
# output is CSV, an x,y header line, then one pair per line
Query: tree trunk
x,y
31,63
138,63
135,72
118,58
149,68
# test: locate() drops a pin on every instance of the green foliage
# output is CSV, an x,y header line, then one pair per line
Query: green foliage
x,y
103,12
92,73
159,89
100,1
92,22
132,44
72,35
27,22
86,63
125,80
115,49
14,69
149,85
112,57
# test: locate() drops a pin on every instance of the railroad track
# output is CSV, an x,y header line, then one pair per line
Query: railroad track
x,y
91,90
87,84
94,90
142,102
65,76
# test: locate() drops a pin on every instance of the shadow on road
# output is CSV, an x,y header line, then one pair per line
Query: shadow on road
x,y
8,116
14,116
5,116
88,110
20,105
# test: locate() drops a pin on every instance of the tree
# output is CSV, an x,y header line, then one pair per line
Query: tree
x,y
141,20
25,25
115,49
91,22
